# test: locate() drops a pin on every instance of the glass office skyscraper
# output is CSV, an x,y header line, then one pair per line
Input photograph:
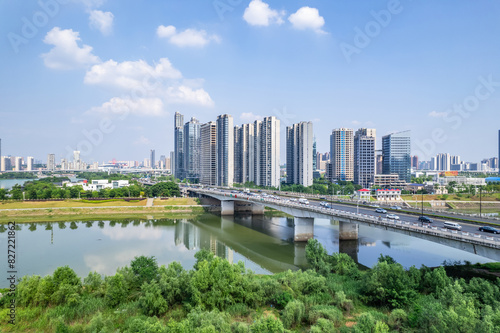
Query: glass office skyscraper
x,y
396,150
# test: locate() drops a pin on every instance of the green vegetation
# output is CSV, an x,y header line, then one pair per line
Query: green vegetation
x,y
216,296
46,189
320,186
17,175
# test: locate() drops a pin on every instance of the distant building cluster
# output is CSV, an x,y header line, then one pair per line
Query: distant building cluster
x,y
219,153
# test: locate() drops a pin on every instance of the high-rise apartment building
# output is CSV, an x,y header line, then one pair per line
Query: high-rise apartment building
x,y
364,156
315,163
192,149
152,159
244,153
396,150
342,154
414,162
172,163
51,162
299,153
267,159
178,165
5,164
225,150
208,153
18,163
29,163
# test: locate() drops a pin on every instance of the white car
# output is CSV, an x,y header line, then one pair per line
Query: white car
x,y
392,216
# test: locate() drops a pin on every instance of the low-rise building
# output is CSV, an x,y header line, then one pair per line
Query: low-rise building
x,y
388,194
363,194
100,184
387,181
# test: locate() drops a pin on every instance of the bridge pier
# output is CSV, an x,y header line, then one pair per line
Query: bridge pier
x,y
226,207
348,231
303,229
257,209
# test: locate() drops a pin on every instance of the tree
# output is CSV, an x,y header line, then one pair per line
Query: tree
x,y
116,290
152,302
145,269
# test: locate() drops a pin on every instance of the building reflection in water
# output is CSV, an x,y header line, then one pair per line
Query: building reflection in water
x,y
192,238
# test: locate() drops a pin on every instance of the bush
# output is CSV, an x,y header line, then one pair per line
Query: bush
x,y
116,290
331,313
397,319
366,323
282,299
238,327
270,324
323,326
293,314
152,302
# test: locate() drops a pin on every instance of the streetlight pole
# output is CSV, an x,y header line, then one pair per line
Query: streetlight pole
x,y
480,201
422,202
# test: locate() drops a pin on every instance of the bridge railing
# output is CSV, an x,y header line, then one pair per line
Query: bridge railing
x,y
428,229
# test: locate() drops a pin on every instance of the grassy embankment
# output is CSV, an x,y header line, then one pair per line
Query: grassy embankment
x,y
50,211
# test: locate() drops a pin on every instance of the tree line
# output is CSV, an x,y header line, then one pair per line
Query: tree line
x,y
44,189
217,296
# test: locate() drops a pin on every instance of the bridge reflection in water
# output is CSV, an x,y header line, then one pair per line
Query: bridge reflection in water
x,y
267,242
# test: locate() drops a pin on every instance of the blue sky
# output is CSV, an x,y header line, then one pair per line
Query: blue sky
x,y
106,76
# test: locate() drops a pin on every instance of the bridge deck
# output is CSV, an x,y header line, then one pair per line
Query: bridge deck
x,y
322,212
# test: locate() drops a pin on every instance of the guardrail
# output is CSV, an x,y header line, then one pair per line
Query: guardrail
x,y
475,238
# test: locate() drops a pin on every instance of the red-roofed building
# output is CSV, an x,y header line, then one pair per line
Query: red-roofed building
x,y
363,194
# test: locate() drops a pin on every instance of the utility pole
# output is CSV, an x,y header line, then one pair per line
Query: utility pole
x,y
480,201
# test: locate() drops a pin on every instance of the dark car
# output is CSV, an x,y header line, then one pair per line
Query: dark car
x,y
489,229
425,219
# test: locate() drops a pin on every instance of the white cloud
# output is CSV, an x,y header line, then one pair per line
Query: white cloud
x,y
434,114
249,117
66,54
186,95
103,21
148,87
123,106
258,13
142,140
186,38
307,18
131,74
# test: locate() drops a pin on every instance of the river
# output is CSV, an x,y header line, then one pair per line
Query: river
x,y
264,244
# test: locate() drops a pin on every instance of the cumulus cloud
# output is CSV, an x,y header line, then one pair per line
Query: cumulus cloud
x,y
148,87
187,95
66,54
186,38
125,106
307,18
258,13
434,114
102,21
249,117
131,74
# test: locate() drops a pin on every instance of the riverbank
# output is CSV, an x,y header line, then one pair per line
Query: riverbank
x,y
55,211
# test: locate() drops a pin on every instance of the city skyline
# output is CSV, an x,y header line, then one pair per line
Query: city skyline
x,y
85,70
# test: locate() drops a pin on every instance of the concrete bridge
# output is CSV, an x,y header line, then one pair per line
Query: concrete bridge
x,y
304,216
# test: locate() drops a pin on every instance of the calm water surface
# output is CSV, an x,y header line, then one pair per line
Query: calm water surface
x,y
264,244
